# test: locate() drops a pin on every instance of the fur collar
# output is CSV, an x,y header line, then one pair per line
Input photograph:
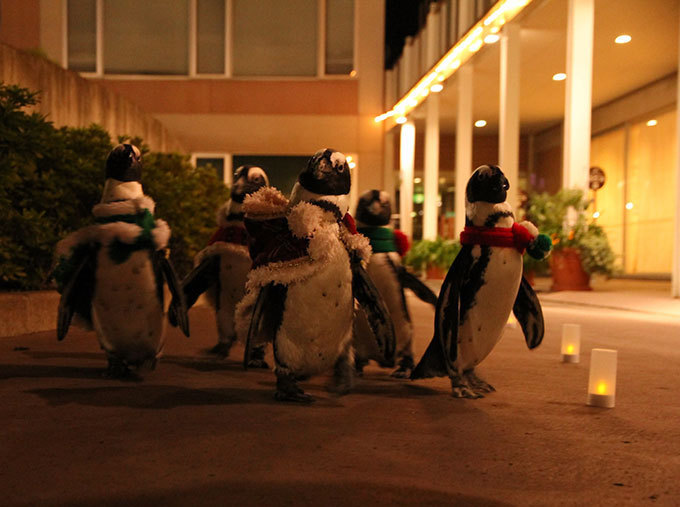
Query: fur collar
x,y
124,207
300,194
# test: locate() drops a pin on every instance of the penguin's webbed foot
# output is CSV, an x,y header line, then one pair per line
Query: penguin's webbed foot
x,y
460,389
221,350
117,369
343,376
287,389
256,359
477,384
405,369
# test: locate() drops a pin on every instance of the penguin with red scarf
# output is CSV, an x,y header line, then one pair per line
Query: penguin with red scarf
x,y
373,214
222,267
483,285
308,270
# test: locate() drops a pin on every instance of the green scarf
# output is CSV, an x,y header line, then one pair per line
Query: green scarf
x,y
381,238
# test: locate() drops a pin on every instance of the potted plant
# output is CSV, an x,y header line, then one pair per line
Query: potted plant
x,y
434,257
580,247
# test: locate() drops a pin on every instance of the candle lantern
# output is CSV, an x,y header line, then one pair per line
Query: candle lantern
x,y
571,343
602,380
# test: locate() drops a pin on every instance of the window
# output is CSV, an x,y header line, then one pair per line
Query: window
x,y
275,38
282,170
147,37
220,162
242,38
82,35
339,36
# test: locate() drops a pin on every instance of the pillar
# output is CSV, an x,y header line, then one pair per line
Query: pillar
x,y
577,111
407,152
508,132
463,142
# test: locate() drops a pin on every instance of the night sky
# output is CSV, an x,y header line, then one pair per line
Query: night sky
x,y
402,18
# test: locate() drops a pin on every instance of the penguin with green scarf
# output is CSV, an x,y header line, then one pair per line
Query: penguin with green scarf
x,y
390,277
112,274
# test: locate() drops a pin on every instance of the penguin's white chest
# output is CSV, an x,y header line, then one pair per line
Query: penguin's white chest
x,y
317,319
127,314
485,320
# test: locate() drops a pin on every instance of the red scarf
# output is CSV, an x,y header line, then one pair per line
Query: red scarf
x,y
231,234
517,236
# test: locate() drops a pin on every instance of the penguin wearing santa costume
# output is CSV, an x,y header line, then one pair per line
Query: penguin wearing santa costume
x,y
222,267
112,274
483,285
373,214
307,272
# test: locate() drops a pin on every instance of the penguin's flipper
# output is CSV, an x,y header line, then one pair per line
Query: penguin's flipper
x,y
177,313
201,278
76,296
377,314
443,349
527,310
267,316
410,281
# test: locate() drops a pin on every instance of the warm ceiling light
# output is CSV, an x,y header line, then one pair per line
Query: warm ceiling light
x,y
417,180
480,123
401,119
491,38
495,29
349,158
353,73
476,45
629,205
596,214
560,76
623,39
352,165
651,123
436,88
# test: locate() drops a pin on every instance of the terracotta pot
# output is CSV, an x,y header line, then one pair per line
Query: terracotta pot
x,y
435,273
567,272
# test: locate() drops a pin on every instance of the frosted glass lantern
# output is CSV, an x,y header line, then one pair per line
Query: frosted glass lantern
x,y
571,343
602,380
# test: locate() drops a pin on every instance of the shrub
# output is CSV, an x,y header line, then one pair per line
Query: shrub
x,y
425,253
50,178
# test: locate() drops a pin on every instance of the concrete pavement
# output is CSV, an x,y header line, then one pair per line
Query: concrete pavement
x,y
198,431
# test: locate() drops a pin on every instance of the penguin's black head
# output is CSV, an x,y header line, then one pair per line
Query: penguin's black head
x,y
487,184
247,179
124,163
374,208
327,173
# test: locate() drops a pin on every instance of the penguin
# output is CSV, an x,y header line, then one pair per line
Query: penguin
x,y
482,286
112,274
307,272
373,214
222,267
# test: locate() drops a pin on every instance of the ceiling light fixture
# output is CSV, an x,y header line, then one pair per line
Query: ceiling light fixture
x,y
436,88
623,39
480,123
560,76
651,123
492,38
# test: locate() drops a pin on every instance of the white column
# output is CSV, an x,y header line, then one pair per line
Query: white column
x,y
407,152
463,142
675,276
388,170
508,133
431,173
577,111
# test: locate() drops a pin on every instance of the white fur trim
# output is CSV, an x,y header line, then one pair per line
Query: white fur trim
x,y
530,227
160,234
127,207
300,193
324,239
219,248
305,218
356,243
284,272
267,202
116,190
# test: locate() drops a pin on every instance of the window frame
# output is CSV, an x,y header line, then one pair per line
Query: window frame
x,y
192,44
228,163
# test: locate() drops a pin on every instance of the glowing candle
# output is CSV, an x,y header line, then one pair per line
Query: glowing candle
x,y
571,343
602,380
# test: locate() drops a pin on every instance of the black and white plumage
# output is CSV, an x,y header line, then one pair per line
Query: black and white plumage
x,y
222,267
481,287
307,272
112,274
373,216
